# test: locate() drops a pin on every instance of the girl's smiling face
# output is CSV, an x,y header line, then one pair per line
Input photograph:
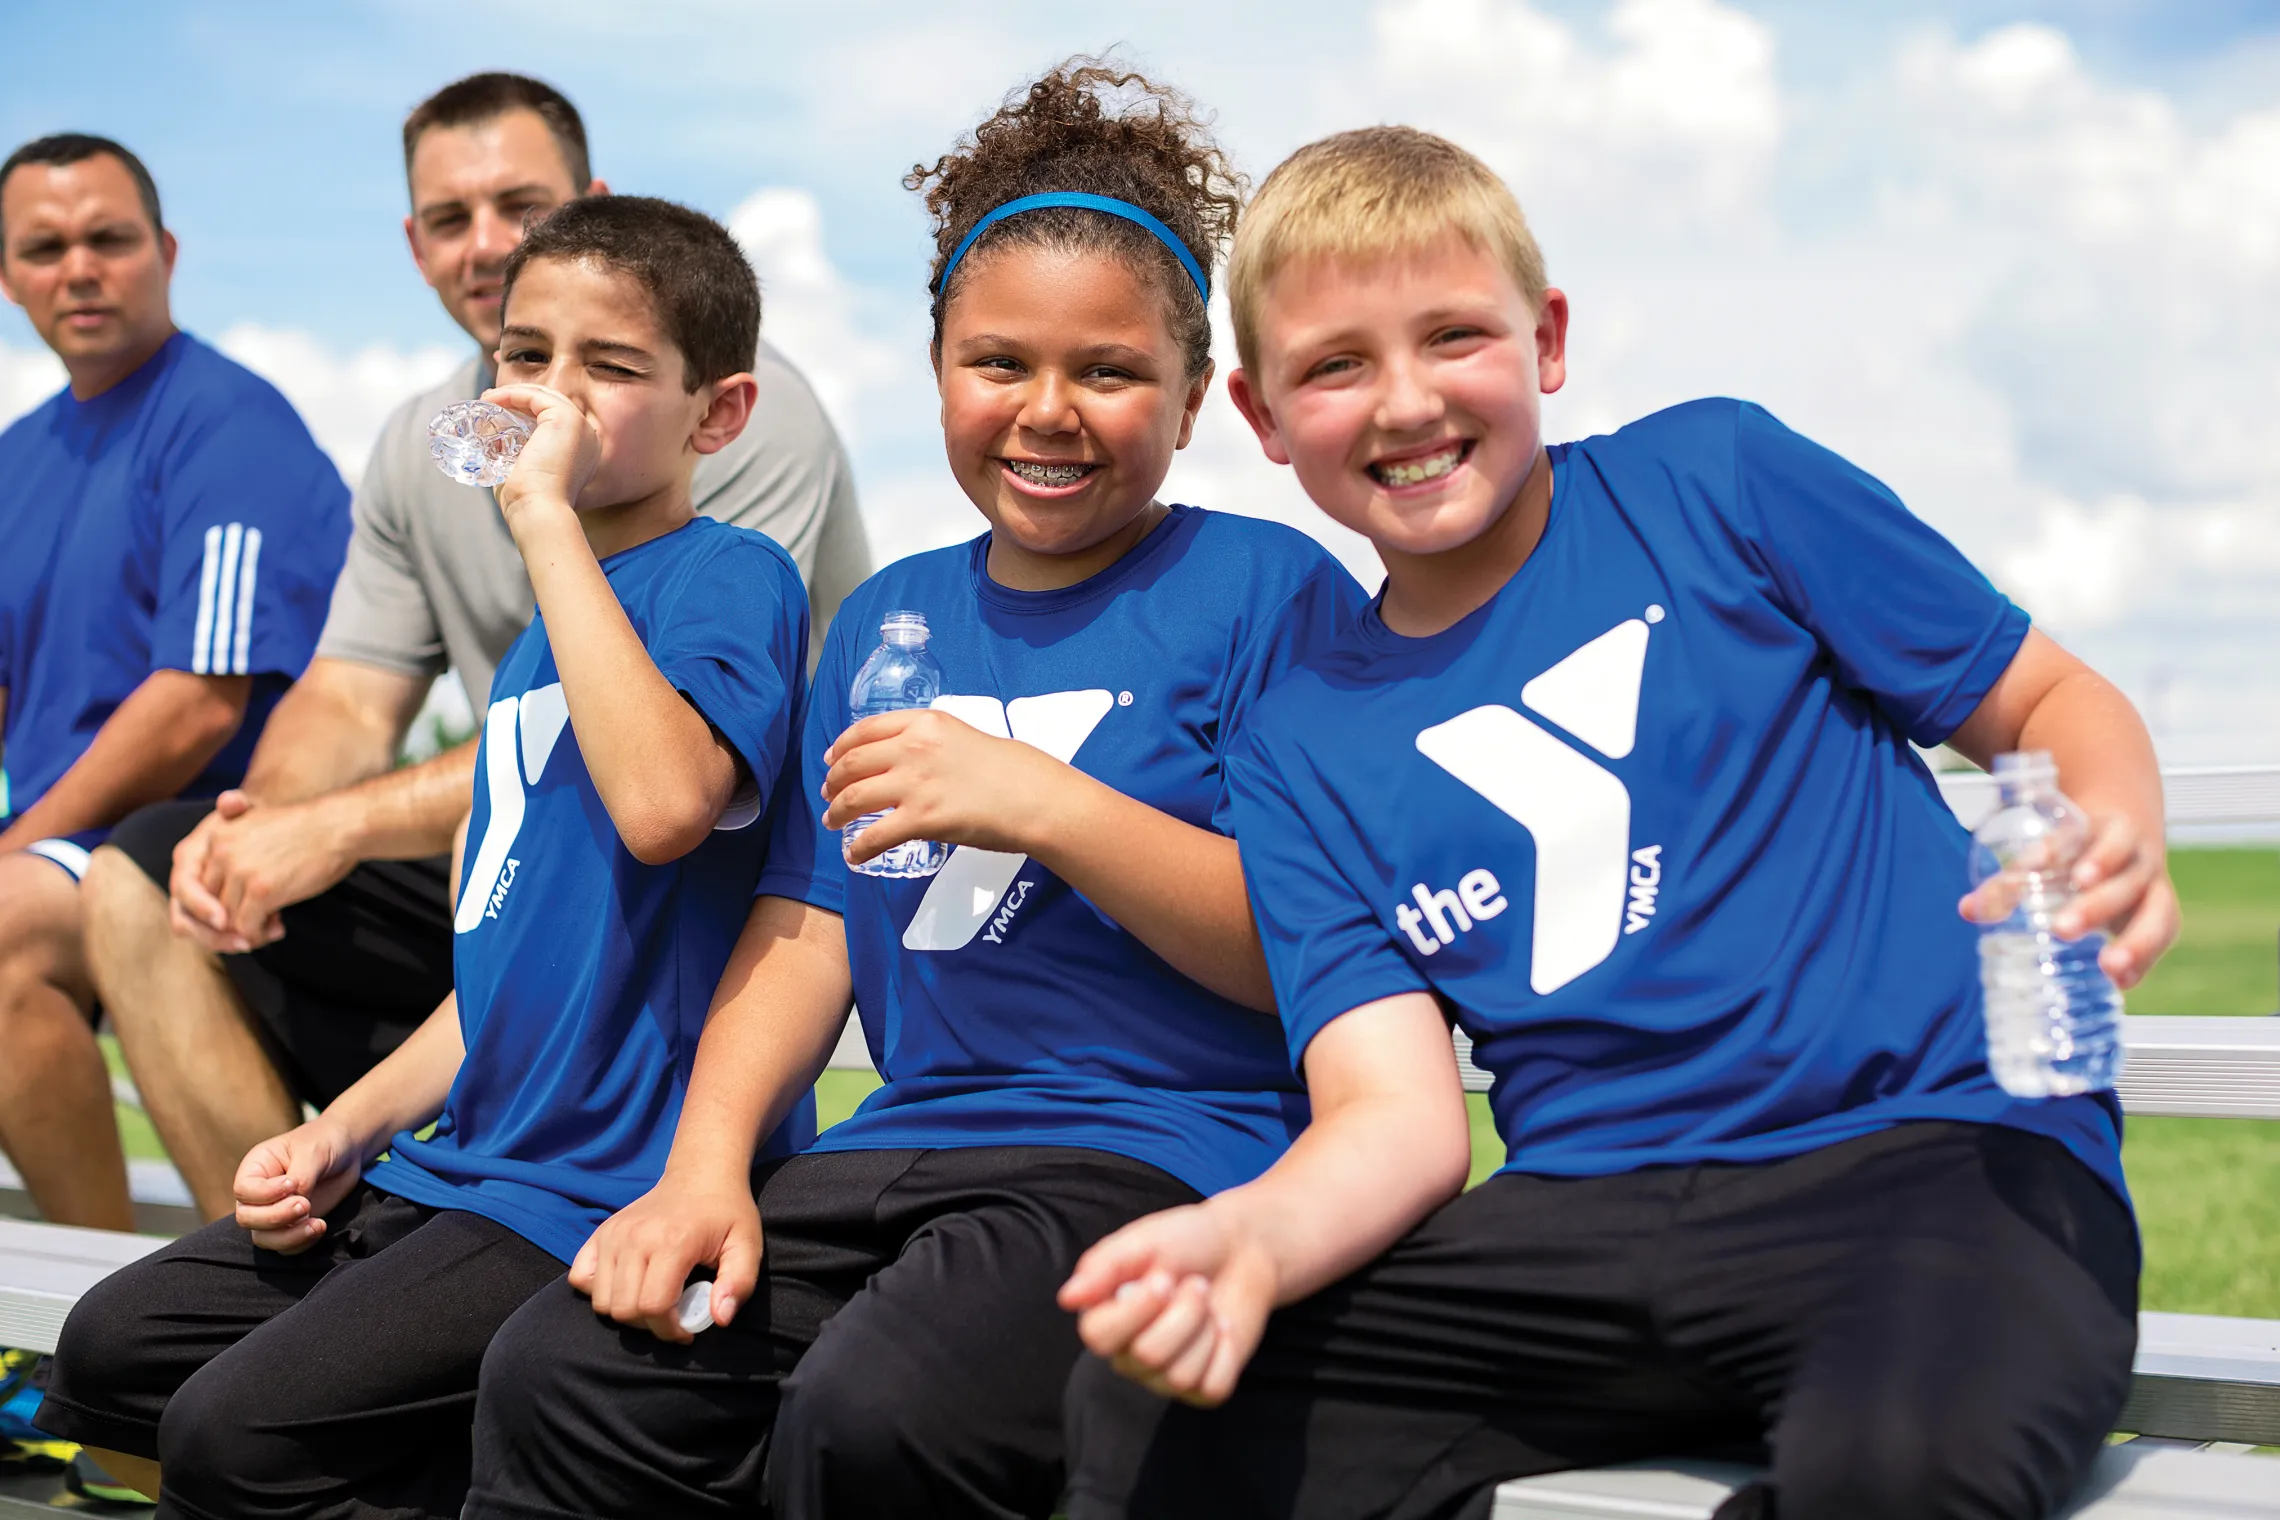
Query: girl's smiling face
x,y
1064,397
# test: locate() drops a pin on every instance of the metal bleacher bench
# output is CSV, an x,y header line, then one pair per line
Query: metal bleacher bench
x,y
2206,1387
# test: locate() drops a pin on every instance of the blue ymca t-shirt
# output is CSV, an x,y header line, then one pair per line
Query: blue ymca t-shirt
x,y
1649,822
583,976
184,519
1002,1007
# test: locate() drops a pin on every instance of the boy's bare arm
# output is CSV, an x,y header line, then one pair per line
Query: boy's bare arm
x,y
286,1185
1178,1300
153,744
2047,699
779,1010
663,773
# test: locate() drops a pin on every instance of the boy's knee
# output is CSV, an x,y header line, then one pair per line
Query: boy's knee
x,y
216,1441
848,1411
102,1354
526,1382
860,1429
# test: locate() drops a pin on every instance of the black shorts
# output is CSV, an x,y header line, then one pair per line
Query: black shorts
x,y
359,968
1935,1320
902,1355
340,1381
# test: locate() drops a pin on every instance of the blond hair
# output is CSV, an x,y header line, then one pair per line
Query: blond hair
x,y
1371,194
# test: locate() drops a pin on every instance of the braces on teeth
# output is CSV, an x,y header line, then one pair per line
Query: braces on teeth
x,y
1048,474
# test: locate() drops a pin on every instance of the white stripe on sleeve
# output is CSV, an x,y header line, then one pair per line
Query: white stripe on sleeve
x,y
225,600
207,570
245,600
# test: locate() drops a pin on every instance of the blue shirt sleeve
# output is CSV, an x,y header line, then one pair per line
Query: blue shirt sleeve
x,y
733,639
804,863
255,524
1904,616
1327,952
1324,605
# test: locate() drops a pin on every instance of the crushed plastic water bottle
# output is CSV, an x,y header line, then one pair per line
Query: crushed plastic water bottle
x,y
476,442
900,674
2054,1019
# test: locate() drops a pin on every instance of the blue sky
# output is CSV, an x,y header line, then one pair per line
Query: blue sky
x,y
272,127
2020,259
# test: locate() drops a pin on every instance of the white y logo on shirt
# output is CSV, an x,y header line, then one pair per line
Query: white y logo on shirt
x,y
962,895
537,719
1574,808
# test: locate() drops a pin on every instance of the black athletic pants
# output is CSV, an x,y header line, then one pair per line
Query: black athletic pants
x,y
360,967
903,1346
1929,1323
336,1383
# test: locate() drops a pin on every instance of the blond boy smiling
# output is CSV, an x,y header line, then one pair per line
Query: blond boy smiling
x,y
1617,771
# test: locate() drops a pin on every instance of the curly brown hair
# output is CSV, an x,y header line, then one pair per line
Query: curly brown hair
x,y
1092,127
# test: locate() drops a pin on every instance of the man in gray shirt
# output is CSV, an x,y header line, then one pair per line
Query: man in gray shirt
x,y
268,952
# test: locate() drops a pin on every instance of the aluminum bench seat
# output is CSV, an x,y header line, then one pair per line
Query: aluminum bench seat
x,y
44,1268
2132,1481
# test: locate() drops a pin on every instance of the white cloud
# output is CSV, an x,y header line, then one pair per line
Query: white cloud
x,y
814,316
28,376
1687,95
342,397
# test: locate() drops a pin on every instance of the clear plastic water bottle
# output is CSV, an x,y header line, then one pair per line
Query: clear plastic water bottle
x,y
900,673
476,442
2054,1019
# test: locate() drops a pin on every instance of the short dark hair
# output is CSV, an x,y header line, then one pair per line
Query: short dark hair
x,y
64,148
705,293
486,97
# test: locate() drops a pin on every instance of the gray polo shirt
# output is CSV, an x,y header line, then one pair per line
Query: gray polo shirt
x,y
433,579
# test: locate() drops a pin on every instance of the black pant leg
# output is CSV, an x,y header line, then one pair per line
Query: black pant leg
x,y
1938,1320
581,1416
1508,1334
137,1336
354,1404
938,1389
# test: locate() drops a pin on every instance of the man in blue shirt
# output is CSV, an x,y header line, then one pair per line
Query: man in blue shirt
x,y
172,536
1617,773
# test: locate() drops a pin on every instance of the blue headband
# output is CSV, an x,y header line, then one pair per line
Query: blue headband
x,y
1082,202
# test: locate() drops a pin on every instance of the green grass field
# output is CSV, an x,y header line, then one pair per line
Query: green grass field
x,y
2207,1190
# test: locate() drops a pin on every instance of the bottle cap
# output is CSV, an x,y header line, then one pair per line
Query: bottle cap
x,y
693,1310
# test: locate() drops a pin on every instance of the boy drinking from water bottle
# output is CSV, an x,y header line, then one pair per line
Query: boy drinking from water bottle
x,y
319,1353
1617,769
